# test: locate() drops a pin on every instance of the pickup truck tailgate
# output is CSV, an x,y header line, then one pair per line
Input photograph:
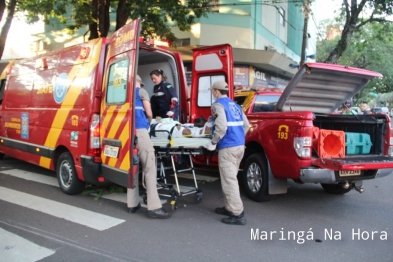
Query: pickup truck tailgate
x,y
355,163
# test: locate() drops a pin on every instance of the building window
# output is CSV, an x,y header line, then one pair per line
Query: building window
x,y
182,42
282,16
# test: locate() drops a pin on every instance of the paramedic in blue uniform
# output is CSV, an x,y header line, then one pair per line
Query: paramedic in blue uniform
x,y
230,127
143,117
165,97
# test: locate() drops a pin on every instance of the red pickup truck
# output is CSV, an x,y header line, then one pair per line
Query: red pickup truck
x,y
294,134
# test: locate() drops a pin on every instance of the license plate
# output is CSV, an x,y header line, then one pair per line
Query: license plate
x,y
111,151
349,173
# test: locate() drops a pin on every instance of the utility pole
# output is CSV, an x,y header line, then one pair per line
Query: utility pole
x,y
306,8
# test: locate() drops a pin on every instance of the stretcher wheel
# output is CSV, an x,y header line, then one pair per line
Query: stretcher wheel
x,y
173,205
174,194
144,197
198,197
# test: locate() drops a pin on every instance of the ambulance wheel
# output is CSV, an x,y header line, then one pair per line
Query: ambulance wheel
x,y
1,155
255,178
67,177
144,197
336,189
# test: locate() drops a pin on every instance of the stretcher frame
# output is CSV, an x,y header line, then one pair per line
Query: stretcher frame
x,y
165,150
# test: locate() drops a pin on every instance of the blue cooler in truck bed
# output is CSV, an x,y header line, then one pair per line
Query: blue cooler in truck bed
x,y
357,143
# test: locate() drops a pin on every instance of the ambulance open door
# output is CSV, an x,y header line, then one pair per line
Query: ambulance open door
x,y
117,133
210,64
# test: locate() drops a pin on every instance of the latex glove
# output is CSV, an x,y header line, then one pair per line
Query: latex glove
x,y
209,146
173,105
170,113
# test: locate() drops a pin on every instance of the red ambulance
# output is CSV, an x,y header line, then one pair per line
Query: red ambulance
x,y
72,110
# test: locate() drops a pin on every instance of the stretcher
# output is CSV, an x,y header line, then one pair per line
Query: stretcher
x,y
170,147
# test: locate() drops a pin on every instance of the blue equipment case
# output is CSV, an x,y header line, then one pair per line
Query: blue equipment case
x,y
357,143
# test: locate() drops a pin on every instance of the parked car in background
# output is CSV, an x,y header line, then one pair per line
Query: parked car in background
x,y
385,110
376,110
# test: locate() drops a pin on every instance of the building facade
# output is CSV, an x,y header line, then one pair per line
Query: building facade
x,y
266,38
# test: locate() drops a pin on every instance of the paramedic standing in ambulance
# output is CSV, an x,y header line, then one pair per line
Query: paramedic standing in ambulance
x,y
230,127
143,117
165,96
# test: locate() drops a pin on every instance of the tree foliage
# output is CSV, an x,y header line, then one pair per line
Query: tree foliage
x,y
371,47
159,15
9,8
354,15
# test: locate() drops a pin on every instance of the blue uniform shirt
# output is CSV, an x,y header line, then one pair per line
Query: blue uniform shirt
x,y
164,93
234,135
141,120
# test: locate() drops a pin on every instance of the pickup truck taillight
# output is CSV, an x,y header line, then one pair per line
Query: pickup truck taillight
x,y
94,147
391,146
302,141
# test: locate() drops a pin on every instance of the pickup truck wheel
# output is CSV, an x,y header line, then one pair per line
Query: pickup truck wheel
x,y
255,178
67,177
336,189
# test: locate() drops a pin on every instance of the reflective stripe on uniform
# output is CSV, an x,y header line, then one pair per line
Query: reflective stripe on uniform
x,y
237,123
159,94
140,108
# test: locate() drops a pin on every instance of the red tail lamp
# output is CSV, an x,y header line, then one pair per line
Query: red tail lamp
x,y
329,143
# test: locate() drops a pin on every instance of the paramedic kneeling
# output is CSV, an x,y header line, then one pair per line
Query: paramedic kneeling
x,y
230,127
143,116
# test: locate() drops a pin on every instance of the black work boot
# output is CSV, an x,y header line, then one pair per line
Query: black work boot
x,y
223,211
158,213
235,220
132,210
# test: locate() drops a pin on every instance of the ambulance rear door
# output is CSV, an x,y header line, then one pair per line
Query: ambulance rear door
x,y
210,64
184,112
117,132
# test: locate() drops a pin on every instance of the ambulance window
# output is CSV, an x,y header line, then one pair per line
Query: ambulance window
x,y
205,97
2,87
117,83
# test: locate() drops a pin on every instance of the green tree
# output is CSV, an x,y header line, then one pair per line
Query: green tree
x,y
354,15
159,15
9,8
371,48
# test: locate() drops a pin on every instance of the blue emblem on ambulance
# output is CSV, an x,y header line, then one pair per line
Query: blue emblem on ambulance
x,y
24,132
60,88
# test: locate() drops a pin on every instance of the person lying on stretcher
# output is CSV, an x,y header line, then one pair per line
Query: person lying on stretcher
x,y
161,127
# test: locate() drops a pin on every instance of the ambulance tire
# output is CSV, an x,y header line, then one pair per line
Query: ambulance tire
x,y
336,189
255,178
67,176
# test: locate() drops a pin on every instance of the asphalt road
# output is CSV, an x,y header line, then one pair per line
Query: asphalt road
x,y
40,223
